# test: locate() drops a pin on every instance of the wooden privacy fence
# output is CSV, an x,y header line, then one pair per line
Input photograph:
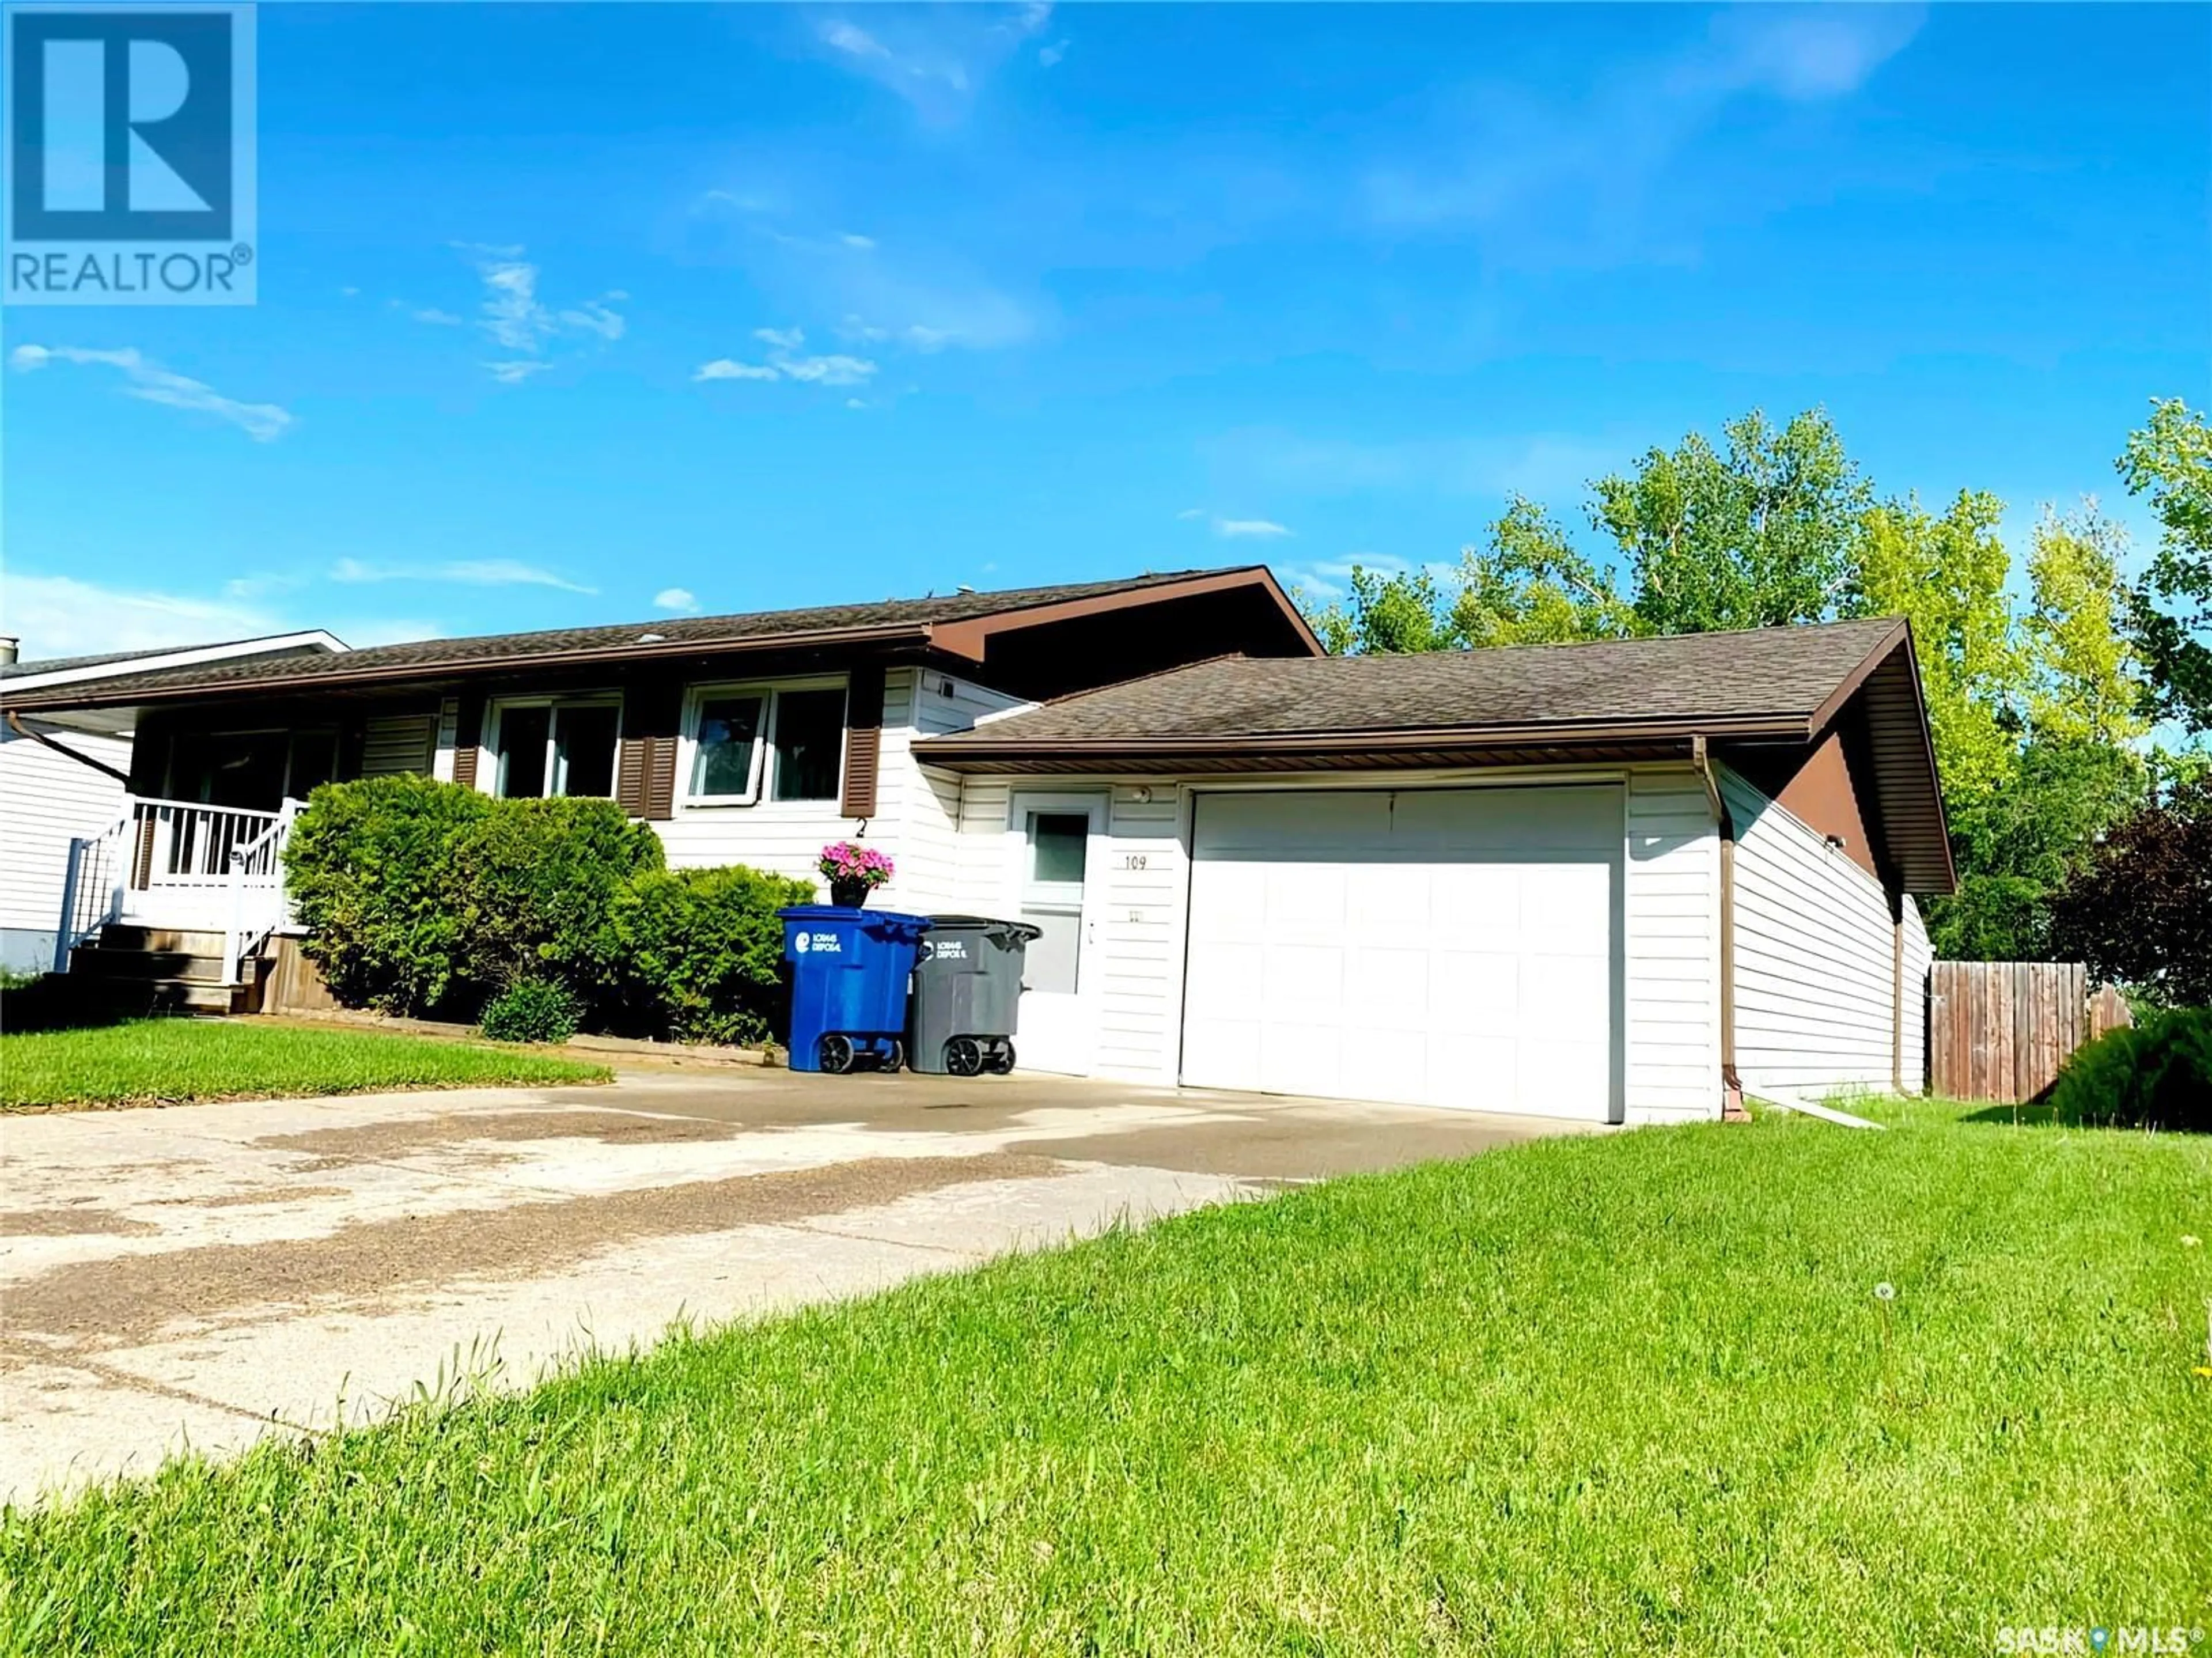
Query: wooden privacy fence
x,y
1999,1031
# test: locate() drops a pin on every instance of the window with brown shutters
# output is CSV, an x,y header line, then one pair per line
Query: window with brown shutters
x,y
864,739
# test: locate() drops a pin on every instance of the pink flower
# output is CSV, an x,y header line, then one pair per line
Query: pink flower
x,y
849,860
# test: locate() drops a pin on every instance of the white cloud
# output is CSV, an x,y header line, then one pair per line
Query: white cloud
x,y
853,40
729,368
1804,53
465,572
835,370
854,239
1586,180
63,616
514,318
680,599
595,317
435,317
785,361
1051,54
1331,578
151,383
1190,512
1240,528
935,59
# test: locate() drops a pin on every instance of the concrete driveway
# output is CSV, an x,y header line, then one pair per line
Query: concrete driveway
x,y
206,1274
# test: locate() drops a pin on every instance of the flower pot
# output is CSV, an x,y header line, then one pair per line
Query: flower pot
x,y
852,895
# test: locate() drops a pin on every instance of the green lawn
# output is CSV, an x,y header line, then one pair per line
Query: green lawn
x,y
207,1059
1600,1394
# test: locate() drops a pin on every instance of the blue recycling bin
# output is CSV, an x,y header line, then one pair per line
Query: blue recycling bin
x,y
848,983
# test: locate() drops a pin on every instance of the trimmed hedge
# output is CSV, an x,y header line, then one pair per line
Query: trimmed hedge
x,y
698,952
431,899
371,875
2155,1075
534,882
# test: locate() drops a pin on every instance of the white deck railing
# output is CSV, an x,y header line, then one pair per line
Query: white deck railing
x,y
172,863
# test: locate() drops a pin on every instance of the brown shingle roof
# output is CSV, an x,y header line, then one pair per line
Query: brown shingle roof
x,y
433,656
1718,681
1528,705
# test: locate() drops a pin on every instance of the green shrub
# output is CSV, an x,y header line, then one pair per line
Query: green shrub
x,y
429,898
2155,1075
530,1010
534,882
370,870
696,953
422,898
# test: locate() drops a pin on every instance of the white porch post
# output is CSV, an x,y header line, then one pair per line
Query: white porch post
x,y
64,934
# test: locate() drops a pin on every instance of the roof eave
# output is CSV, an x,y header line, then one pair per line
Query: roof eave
x,y
916,633
971,636
955,751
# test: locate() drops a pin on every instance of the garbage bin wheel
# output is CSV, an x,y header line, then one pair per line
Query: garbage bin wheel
x,y
836,1054
964,1056
1003,1061
893,1057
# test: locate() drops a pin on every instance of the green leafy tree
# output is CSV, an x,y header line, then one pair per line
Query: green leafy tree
x,y
2139,908
2017,847
2171,613
1947,576
1528,586
1389,613
1756,533
2086,681
1525,585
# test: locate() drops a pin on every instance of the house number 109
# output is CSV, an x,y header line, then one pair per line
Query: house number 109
x,y
1134,860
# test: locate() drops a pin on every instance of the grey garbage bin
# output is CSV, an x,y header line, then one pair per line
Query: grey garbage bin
x,y
967,991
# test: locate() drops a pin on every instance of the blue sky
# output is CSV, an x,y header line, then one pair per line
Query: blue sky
x,y
568,312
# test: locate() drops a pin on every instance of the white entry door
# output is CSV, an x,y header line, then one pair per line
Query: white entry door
x,y
1056,841
1425,947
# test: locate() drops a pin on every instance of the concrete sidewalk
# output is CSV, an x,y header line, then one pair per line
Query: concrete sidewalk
x,y
203,1275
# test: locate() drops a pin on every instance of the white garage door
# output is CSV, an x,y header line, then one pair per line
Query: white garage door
x,y
1427,947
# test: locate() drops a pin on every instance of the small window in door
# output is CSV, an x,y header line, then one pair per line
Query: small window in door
x,y
1059,842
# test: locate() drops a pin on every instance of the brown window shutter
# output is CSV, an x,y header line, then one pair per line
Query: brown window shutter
x,y
645,769
660,778
864,739
629,775
468,733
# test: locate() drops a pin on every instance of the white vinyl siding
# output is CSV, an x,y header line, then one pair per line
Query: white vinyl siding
x,y
917,818
1919,956
1140,932
449,725
927,804
1672,948
46,800
1814,972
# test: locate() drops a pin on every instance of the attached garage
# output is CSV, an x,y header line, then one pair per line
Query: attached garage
x,y
1452,947
1622,881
